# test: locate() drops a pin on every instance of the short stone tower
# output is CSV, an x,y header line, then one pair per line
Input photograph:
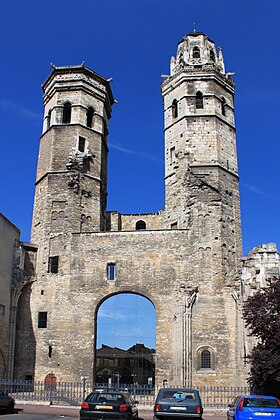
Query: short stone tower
x,y
71,184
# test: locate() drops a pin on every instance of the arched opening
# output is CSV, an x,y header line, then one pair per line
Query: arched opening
x,y
90,113
196,52
140,225
199,100
66,118
212,56
175,108
205,359
48,119
125,342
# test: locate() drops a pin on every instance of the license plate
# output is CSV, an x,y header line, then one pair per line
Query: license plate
x,y
102,407
178,408
261,413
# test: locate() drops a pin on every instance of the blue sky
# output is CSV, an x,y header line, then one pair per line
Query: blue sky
x,y
132,41
126,319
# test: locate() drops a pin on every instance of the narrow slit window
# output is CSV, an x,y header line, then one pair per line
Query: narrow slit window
x,y
42,319
223,106
111,271
53,264
66,118
2,310
90,113
82,144
199,100
50,351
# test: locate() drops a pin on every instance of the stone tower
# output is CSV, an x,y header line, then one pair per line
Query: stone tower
x,y
73,153
200,149
185,258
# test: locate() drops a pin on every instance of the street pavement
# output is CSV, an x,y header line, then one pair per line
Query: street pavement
x,y
51,412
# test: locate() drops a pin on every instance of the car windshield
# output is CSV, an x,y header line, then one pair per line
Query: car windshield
x,y
182,395
261,402
106,397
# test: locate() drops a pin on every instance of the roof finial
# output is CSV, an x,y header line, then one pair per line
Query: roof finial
x,y
194,30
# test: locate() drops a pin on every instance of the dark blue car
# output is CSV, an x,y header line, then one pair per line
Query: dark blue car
x,y
254,407
178,402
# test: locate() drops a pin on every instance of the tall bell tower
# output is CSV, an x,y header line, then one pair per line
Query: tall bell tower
x,y
71,183
201,174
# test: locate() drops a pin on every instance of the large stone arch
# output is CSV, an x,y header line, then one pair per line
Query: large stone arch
x,y
101,373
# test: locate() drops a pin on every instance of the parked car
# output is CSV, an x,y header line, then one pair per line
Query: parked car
x,y
253,407
6,402
178,402
109,405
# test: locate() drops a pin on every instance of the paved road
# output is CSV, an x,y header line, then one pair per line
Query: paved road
x,y
45,412
30,416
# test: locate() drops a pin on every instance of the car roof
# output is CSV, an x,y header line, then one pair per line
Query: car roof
x,y
268,397
179,389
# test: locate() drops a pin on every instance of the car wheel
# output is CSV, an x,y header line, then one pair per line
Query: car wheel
x,y
11,407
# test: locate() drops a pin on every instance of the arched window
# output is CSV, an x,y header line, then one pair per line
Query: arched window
x,y
90,113
66,119
140,225
205,359
199,100
175,109
212,56
223,106
196,52
48,120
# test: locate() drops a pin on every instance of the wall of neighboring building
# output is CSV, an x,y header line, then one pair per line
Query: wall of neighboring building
x,y
9,234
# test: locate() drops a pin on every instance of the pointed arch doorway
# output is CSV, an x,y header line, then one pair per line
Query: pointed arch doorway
x,y
126,341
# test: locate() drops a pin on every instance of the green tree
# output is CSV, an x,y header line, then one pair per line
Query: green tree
x,y
262,318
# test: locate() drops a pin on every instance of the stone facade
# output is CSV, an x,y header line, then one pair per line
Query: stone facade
x,y
17,268
186,259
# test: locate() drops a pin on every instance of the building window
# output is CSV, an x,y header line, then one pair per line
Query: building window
x,y
212,56
174,225
82,144
199,100
172,154
50,351
196,52
53,265
205,359
175,109
66,118
2,310
90,113
48,119
111,271
42,319
223,106
140,225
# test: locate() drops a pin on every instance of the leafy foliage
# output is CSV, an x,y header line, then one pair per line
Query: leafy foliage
x,y
262,317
